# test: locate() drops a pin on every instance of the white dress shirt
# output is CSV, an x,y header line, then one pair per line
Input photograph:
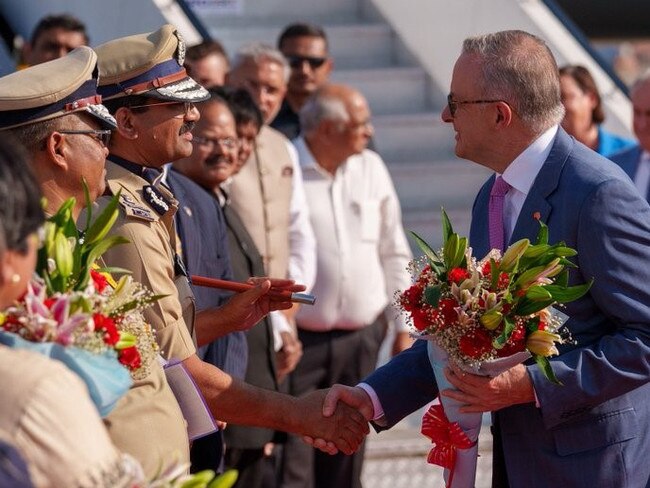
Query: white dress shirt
x,y
520,174
362,252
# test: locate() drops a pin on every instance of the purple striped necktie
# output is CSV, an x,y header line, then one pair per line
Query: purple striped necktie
x,y
495,213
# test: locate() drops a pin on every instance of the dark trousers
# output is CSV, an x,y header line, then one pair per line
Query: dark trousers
x,y
336,356
249,463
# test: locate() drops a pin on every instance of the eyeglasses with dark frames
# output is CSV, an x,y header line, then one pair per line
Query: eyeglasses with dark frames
x,y
187,106
453,104
210,143
315,62
102,135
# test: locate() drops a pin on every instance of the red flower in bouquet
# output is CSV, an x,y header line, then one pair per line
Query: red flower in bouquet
x,y
478,311
130,357
107,327
99,280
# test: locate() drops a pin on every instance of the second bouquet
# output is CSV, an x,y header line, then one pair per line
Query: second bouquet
x,y
485,316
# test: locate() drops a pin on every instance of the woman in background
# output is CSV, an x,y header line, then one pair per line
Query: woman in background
x,y
584,112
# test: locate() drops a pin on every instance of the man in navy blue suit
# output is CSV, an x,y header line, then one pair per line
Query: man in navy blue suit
x,y
635,160
505,108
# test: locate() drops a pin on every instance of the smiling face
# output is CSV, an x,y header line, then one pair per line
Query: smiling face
x,y
469,120
216,150
164,131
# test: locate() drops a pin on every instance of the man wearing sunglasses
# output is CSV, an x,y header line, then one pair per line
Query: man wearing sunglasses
x,y
306,49
152,98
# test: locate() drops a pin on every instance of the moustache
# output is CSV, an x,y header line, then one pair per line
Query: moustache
x,y
216,159
186,127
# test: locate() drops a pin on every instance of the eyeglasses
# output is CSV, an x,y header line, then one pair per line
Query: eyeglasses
x,y
453,104
211,143
187,106
296,61
103,136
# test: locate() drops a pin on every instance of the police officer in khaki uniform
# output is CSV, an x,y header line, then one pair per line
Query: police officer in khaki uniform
x,y
55,111
152,98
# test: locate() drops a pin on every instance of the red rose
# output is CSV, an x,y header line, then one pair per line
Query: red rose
x,y
107,326
99,280
48,302
476,343
411,297
516,343
447,308
420,319
457,275
130,357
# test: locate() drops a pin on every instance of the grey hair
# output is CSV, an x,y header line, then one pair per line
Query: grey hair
x,y
519,68
320,107
256,52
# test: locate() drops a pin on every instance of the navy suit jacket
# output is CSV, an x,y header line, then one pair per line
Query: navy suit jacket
x,y
594,430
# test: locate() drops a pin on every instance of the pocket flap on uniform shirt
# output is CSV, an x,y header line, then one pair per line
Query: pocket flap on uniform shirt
x,y
596,432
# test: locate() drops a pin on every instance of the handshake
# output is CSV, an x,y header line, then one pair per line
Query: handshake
x,y
336,419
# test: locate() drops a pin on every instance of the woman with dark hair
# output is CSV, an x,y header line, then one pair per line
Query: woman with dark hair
x,y
46,414
21,215
584,112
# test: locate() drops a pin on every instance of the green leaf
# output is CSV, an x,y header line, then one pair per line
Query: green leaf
x,y
562,279
226,480
547,371
528,276
562,294
114,270
126,340
460,252
89,204
508,328
425,248
447,229
449,251
563,251
526,306
537,292
542,234
102,225
432,295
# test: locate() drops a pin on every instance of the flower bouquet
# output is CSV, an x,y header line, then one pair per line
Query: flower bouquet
x,y
486,316
75,312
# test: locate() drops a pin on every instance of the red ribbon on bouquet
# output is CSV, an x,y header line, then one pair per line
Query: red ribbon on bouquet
x,y
447,438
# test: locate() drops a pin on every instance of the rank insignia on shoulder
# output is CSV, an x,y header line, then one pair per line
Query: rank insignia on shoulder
x,y
156,199
134,209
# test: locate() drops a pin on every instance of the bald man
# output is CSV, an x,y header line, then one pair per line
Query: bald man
x,y
362,259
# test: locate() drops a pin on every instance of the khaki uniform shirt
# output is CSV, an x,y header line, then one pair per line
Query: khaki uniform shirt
x,y
147,422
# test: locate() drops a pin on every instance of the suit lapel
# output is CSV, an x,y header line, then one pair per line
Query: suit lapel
x,y
536,206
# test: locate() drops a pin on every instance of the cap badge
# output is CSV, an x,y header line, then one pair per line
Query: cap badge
x,y
180,51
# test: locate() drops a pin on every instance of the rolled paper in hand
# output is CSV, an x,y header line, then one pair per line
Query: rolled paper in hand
x,y
236,286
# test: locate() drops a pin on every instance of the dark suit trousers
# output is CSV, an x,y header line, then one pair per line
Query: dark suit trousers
x,y
336,356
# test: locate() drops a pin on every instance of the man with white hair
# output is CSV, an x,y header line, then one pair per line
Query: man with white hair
x,y
267,193
635,161
362,259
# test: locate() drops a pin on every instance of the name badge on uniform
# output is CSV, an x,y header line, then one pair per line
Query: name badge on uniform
x,y
156,199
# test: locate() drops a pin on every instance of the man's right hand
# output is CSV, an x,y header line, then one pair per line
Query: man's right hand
x,y
343,429
342,396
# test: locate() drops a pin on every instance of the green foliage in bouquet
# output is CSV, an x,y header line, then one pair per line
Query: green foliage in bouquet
x,y
68,255
522,283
